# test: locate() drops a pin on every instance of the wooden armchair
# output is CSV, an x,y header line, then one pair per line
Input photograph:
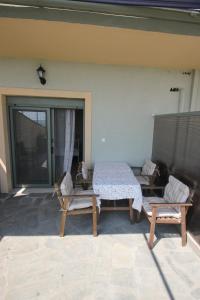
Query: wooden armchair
x,y
84,176
75,202
147,175
171,209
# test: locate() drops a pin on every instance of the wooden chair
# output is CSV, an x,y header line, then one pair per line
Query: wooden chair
x,y
84,176
171,209
75,202
147,175
160,180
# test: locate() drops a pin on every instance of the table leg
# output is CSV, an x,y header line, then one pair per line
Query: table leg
x,y
131,210
137,217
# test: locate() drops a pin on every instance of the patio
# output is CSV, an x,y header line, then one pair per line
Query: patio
x,y
36,263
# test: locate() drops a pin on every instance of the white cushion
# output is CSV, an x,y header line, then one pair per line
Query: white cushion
x,y
78,203
176,191
148,168
161,212
66,186
143,180
84,171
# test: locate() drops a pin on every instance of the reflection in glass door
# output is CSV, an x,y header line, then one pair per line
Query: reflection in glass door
x,y
30,135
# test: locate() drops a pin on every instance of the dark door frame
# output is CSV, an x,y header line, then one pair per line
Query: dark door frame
x,y
12,139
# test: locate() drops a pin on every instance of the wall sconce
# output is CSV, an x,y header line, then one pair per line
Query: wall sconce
x,y
41,73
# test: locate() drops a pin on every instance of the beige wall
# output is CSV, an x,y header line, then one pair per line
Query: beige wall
x,y
83,43
123,100
5,167
108,73
121,95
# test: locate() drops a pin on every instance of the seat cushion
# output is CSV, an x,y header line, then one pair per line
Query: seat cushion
x,y
148,168
161,212
143,180
78,202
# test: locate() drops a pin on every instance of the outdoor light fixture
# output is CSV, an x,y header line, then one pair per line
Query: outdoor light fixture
x,y
41,71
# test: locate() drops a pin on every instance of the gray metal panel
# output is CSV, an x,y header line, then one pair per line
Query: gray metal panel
x,y
177,4
176,143
45,102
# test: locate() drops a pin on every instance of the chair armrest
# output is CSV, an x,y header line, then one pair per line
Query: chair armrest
x,y
149,176
153,187
134,167
151,180
175,204
80,196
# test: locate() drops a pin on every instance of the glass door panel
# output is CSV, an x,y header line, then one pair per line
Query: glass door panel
x,y
31,152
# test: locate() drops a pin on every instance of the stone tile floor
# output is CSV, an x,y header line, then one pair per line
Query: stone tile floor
x,y
36,263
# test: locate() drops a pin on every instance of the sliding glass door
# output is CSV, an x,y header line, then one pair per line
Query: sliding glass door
x,y
44,139
31,146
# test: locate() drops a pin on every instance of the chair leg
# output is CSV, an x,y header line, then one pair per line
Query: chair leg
x,y
94,222
183,226
94,216
152,227
62,223
98,215
131,210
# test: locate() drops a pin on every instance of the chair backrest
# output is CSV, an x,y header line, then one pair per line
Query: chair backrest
x,y
57,190
66,186
84,171
187,180
176,191
148,168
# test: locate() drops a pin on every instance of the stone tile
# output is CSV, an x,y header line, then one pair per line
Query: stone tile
x,y
36,263
121,256
195,293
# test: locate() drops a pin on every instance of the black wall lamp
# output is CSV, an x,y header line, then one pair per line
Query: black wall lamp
x,y
41,74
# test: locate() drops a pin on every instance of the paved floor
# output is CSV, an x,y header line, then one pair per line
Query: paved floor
x,y
36,263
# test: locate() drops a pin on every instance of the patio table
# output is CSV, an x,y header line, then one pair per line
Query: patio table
x,y
116,181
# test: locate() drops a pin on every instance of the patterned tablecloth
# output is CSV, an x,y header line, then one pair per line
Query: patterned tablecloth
x,y
115,181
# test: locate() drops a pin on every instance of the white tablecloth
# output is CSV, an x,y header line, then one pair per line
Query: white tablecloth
x,y
115,181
